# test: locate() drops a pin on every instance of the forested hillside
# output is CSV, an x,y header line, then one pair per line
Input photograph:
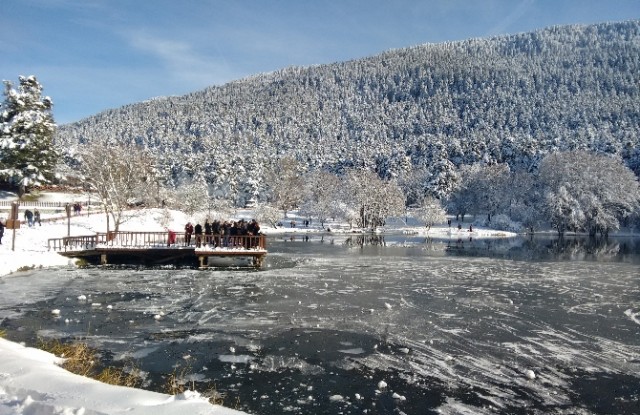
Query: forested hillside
x,y
414,114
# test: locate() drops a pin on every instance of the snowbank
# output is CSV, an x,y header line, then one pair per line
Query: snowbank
x,y
31,382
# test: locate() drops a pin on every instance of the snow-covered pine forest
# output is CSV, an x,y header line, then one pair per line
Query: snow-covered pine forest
x,y
421,116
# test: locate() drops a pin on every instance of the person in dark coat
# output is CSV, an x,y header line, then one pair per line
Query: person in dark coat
x,y
188,230
28,216
36,217
1,231
233,233
224,231
254,230
215,229
207,232
198,232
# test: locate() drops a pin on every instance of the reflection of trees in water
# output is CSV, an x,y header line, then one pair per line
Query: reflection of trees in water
x,y
584,248
592,248
484,244
540,248
365,240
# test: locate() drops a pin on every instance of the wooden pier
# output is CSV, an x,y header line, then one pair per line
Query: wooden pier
x,y
160,248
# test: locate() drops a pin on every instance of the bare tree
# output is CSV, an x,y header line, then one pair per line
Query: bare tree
x,y
268,214
431,212
192,197
121,176
286,182
373,198
322,191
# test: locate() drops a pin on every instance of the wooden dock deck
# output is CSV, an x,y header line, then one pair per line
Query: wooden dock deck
x,y
160,248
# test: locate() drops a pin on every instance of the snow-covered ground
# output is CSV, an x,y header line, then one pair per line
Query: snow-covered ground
x,y
26,373
32,382
27,384
30,248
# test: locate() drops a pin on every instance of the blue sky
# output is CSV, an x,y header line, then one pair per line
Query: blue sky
x,y
92,55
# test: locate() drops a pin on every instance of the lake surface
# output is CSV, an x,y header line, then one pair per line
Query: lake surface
x,y
380,325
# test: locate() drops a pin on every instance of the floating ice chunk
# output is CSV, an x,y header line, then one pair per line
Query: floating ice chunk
x,y
233,358
398,397
55,312
96,305
358,397
382,384
633,315
404,350
355,350
336,398
530,374
110,307
232,349
82,297
388,306
157,316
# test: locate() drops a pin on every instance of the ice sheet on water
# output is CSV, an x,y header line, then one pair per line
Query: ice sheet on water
x,y
454,325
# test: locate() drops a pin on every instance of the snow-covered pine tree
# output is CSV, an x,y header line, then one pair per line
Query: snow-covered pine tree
x,y
27,155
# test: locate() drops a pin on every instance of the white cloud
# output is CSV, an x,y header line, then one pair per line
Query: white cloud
x,y
183,61
520,10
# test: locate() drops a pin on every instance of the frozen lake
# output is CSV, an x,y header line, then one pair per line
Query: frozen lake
x,y
382,325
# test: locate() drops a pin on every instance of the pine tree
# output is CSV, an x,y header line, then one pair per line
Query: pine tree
x,y
27,154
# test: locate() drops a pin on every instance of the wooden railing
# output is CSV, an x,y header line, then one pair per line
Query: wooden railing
x,y
61,205
73,243
143,240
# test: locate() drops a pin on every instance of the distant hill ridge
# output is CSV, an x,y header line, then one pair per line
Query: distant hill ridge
x,y
428,109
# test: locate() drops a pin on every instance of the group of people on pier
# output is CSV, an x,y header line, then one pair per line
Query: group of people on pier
x,y
231,234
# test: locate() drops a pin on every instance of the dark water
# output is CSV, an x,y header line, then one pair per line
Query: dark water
x,y
381,325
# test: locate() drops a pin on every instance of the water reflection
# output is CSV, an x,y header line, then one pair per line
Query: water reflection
x,y
530,248
331,316
580,248
543,248
365,240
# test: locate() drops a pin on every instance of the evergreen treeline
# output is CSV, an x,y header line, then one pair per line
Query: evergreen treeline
x,y
416,114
